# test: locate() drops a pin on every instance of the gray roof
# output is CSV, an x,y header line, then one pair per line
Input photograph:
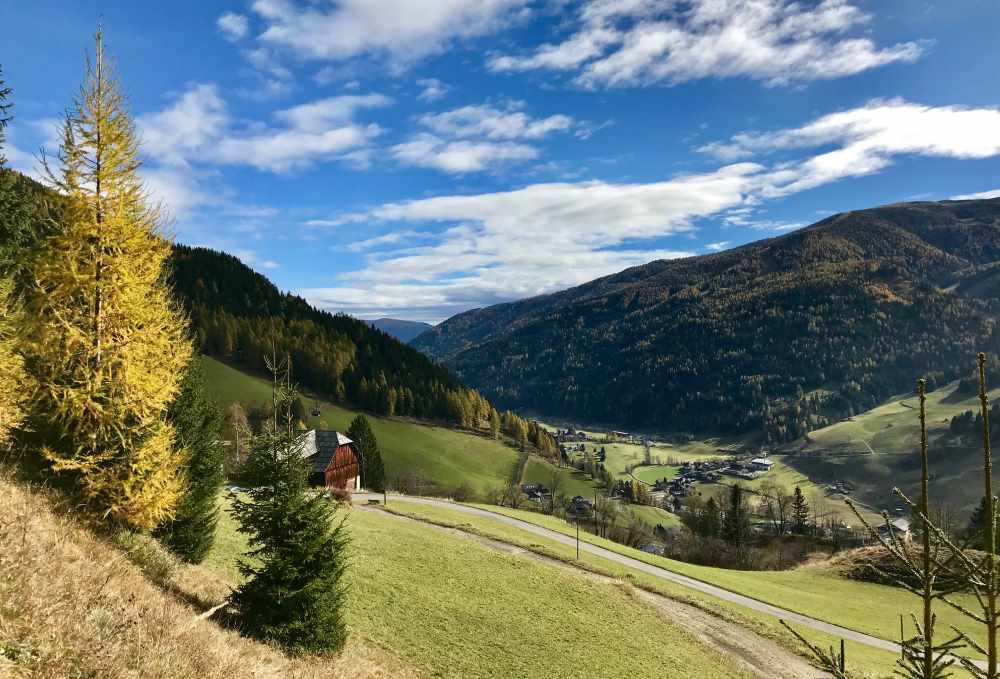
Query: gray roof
x,y
319,446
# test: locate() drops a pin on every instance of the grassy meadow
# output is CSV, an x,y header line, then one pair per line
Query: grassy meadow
x,y
572,482
876,451
835,599
446,457
810,590
451,606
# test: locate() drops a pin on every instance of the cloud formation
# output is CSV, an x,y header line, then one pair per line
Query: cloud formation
x,y
495,247
233,26
641,42
197,128
477,138
400,30
866,139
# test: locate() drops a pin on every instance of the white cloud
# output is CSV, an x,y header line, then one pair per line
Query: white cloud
x,y
266,62
402,30
637,42
430,151
866,139
197,118
321,114
492,123
718,247
541,238
477,138
982,195
432,89
233,26
385,239
196,128
180,190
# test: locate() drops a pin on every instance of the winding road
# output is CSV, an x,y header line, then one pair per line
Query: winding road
x,y
669,576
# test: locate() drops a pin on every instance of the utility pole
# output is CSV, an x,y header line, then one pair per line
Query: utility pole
x,y
578,538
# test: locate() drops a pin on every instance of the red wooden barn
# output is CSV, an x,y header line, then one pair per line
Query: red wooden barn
x,y
333,460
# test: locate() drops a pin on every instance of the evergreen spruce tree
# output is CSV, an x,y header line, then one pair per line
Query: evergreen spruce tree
x,y
197,421
710,524
976,522
736,523
293,593
105,345
800,512
373,471
14,220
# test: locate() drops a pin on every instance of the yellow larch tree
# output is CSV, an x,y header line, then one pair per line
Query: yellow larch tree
x,y
106,344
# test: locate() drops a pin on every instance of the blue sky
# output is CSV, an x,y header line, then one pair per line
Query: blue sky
x,y
416,158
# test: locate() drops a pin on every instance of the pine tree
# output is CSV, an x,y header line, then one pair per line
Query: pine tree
x,y
373,471
105,343
293,593
197,421
494,424
800,512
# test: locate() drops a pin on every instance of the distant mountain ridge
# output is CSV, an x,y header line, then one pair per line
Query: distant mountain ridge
x,y
402,330
773,335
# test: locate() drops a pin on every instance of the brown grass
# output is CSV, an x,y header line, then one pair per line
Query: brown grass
x,y
73,603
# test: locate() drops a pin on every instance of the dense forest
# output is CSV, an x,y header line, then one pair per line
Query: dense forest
x,y
777,336
238,315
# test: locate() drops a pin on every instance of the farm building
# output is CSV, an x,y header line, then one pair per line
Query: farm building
x,y
898,528
333,458
761,464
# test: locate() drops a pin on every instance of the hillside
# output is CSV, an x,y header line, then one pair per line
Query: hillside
x,y
236,314
874,451
781,335
402,330
430,459
73,603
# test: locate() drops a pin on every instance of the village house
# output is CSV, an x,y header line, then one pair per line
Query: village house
x,y
898,528
536,492
334,461
761,464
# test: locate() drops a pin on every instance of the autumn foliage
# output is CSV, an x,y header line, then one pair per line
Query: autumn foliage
x,y
106,346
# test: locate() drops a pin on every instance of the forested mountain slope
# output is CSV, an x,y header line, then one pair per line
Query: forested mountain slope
x,y
774,335
236,313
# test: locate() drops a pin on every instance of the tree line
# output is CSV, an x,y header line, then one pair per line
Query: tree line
x,y
238,316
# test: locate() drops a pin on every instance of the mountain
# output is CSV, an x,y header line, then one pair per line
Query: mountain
x,y
782,335
236,315
402,330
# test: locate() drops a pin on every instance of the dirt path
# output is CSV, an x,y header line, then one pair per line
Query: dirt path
x,y
758,655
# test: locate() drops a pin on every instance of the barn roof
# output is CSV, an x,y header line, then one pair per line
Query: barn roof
x,y
319,447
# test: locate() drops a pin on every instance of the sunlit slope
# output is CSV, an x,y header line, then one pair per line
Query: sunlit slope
x,y
442,456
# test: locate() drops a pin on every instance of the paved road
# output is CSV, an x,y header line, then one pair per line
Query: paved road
x,y
697,585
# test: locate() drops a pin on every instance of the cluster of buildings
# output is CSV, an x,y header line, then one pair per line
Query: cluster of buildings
x,y
536,492
667,492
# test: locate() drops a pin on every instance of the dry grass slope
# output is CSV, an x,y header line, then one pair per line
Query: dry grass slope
x,y
72,604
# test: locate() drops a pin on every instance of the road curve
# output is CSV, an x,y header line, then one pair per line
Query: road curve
x,y
655,571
